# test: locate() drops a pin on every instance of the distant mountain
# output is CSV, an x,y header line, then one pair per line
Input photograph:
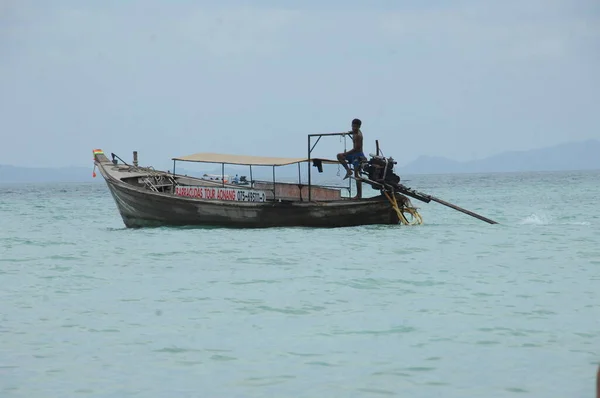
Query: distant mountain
x,y
570,156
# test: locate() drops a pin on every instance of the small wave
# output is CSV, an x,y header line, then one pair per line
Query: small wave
x,y
535,219
542,219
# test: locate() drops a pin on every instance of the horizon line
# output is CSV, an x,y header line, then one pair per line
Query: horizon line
x,y
420,156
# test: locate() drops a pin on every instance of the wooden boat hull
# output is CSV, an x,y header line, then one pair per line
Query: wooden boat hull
x,y
140,207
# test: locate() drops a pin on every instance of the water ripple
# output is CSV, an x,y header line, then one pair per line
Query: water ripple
x,y
453,308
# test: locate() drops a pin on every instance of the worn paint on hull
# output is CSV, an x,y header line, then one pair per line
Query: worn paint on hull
x,y
140,208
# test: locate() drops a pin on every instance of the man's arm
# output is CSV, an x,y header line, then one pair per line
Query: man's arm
x,y
351,135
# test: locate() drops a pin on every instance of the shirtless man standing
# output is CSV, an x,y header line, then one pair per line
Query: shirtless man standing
x,y
353,155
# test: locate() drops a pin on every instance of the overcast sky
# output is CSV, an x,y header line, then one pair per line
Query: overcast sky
x,y
460,79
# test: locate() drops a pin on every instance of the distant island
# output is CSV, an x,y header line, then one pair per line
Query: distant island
x,y
583,155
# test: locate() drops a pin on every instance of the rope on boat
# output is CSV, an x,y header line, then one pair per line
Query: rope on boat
x,y
416,217
339,164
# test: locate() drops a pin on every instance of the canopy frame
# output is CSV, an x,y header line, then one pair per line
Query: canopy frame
x,y
316,161
242,160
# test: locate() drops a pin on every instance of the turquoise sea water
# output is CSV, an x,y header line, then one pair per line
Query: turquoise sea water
x,y
453,308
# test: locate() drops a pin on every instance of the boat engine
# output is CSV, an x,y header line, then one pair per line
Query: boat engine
x,y
380,169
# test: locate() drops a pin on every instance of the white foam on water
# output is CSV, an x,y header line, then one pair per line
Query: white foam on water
x,y
543,219
535,219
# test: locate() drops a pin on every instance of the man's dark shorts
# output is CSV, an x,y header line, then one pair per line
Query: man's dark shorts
x,y
354,158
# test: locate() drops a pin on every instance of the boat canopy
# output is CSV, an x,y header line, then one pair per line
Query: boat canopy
x,y
246,160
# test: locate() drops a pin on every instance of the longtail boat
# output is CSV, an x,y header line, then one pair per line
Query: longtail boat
x,y
146,197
